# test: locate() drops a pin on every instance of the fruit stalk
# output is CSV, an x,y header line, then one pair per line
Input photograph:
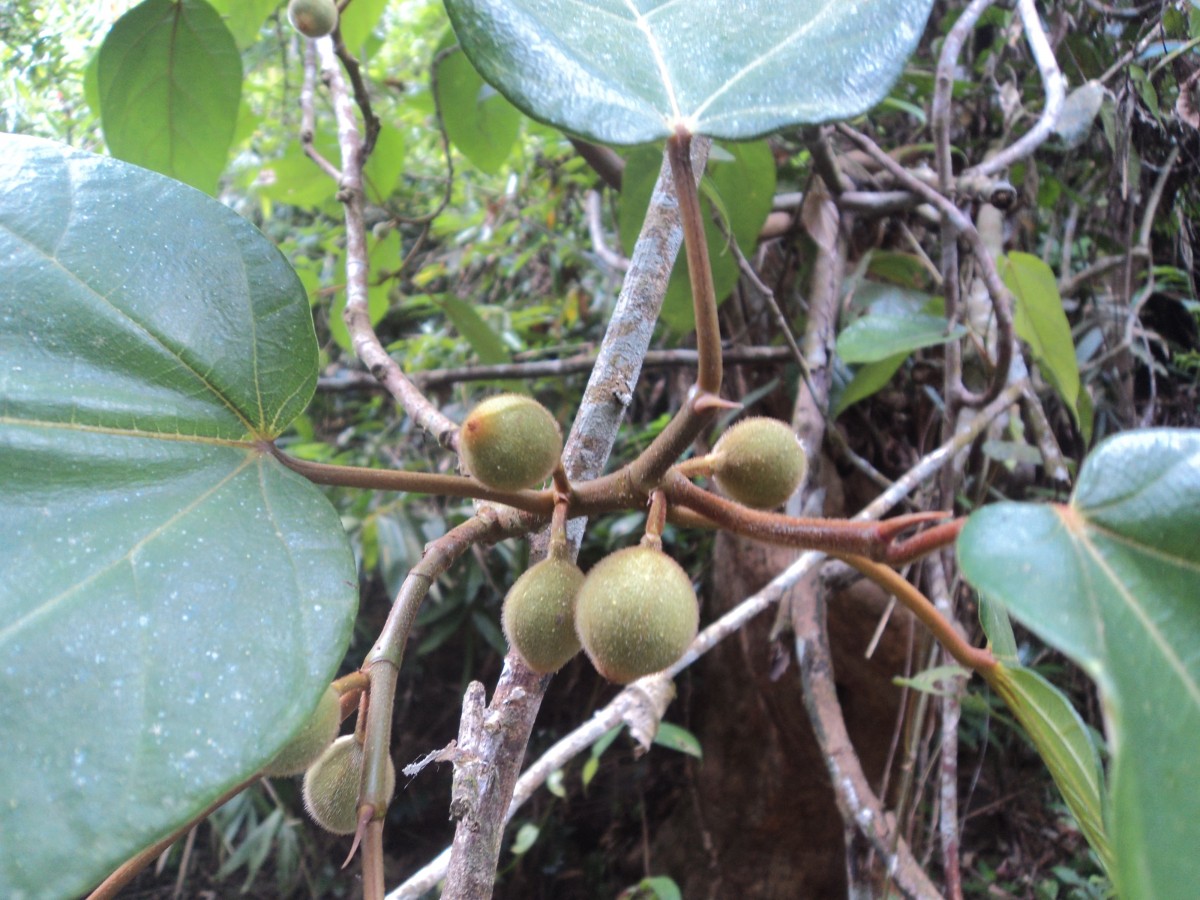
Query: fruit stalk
x,y
873,540
703,401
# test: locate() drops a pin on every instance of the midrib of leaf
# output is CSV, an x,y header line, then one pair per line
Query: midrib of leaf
x,y
804,28
644,26
1156,636
130,432
158,340
127,558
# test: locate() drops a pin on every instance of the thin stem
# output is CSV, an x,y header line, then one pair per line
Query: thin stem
x,y
704,300
1055,86
877,540
439,555
367,345
974,658
1002,301
536,502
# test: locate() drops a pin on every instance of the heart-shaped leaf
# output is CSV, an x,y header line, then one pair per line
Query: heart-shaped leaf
x,y
623,72
169,80
173,600
1113,580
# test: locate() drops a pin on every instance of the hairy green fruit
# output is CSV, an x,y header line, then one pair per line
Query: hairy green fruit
x,y
331,786
539,614
307,744
510,442
636,613
759,462
313,18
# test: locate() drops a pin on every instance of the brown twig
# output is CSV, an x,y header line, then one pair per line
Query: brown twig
x,y
1002,301
604,162
362,97
351,380
358,322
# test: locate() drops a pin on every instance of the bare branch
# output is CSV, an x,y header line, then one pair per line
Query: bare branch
x,y
477,838
608,256
358,322
1055,86
354,380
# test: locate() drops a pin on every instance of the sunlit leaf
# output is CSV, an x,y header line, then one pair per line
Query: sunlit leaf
x,y
181,599
480,123
169,79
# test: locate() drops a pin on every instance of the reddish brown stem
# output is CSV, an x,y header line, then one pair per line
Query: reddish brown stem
x,y
977,659
874,540
537,502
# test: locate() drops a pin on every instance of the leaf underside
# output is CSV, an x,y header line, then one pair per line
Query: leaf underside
x,y
625,72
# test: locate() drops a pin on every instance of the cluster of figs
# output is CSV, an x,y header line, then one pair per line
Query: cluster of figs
x,y
636,611
633,614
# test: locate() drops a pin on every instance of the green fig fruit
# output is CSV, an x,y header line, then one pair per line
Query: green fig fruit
x,y
539,614
313,18
307,744
759,462
510,442
636,613
331,785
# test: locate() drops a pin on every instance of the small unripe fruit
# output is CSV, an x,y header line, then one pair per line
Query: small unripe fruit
x,y
539,614
759,462
510,442
310,741
636,613
313,18
331,785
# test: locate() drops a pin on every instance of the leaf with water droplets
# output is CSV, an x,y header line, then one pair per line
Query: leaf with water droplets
x,y
630,71
174,600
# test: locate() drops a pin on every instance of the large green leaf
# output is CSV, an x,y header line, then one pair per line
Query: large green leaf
x,y
479,122
625,73
1113,581
169,79
173,600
